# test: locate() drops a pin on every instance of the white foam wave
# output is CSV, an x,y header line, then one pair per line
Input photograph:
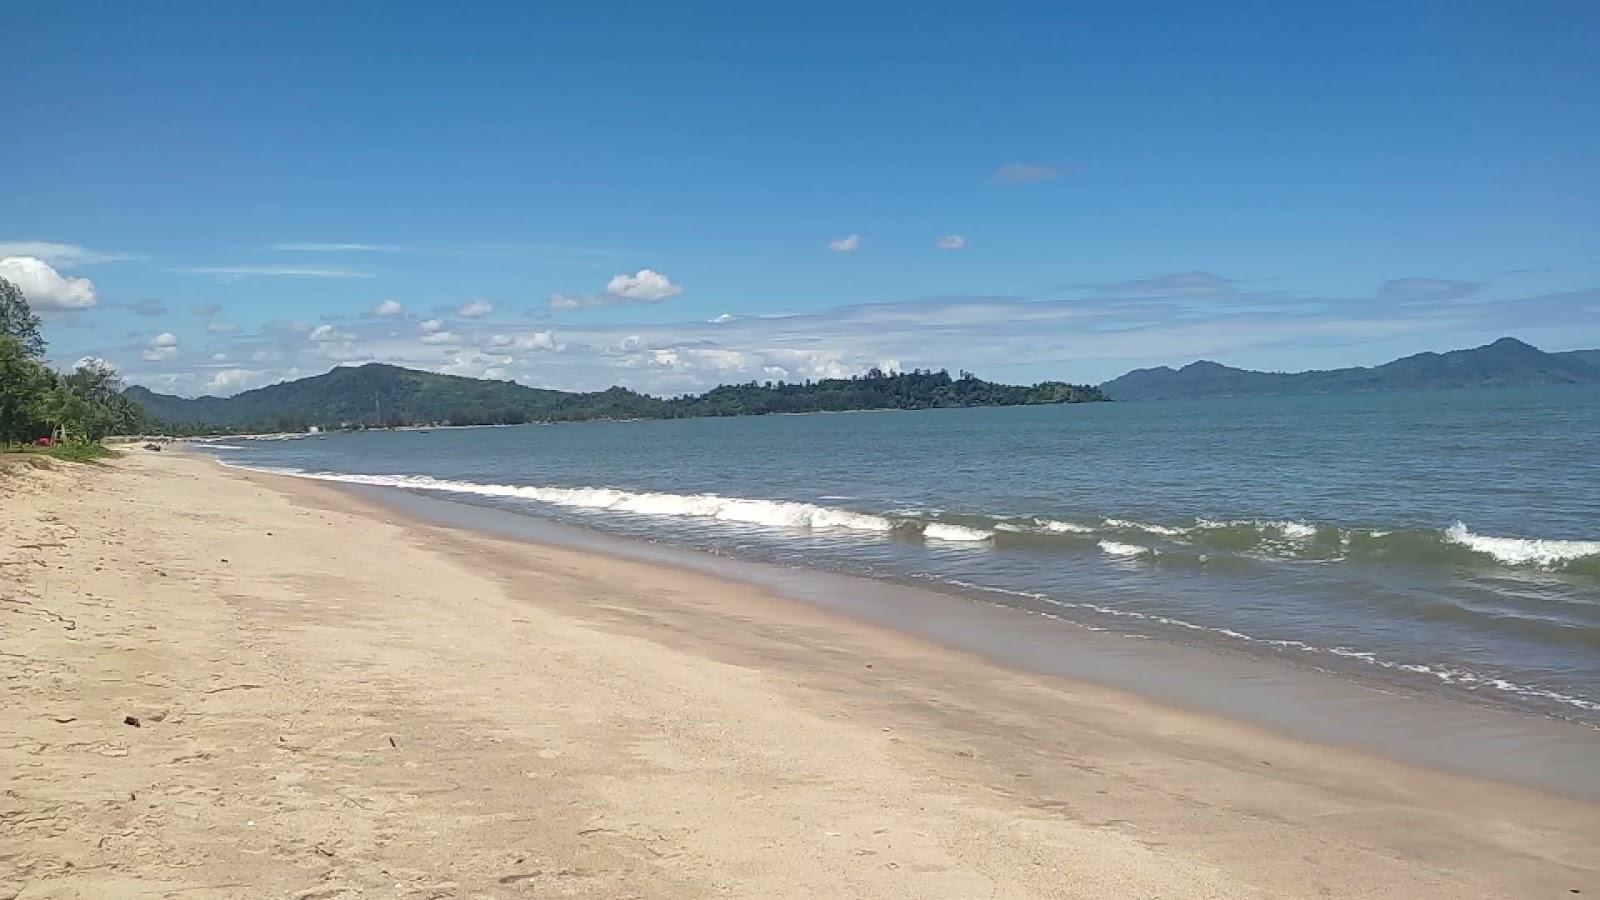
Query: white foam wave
x,y
1127,525
210,446
1288,528
1116,548
776,513
1045,526
1521,551
944,531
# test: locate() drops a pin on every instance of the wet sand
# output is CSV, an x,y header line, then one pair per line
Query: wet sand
x,y
338,700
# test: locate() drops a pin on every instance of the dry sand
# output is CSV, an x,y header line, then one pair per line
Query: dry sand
x,y
335,702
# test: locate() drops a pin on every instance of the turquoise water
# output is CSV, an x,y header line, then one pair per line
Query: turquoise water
x,y
1445,541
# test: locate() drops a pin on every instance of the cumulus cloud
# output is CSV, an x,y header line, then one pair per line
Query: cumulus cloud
x,y
845,244
325,333
951,242
1024,173
723,319
229,380
46,289
527,340
429,326
439,337
388,309
475,309
163,346
643,286
64,255
149,307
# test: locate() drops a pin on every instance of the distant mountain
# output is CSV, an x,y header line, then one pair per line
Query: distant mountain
x,y
377,394
1507,362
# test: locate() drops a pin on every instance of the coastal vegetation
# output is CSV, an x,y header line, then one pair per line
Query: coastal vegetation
x,y
378,395
74,410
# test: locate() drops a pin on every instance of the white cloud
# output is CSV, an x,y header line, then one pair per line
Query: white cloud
x,y
845,244
388,309
316,247
205,310
536,340
645,286
219,357
1024,173
323,334
439,337
232,379
46,289
161,347
723,319
952,242
64,255
429,326
217,326
475,309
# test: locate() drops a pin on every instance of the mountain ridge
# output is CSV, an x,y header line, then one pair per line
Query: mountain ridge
x,y
388,395
1506,362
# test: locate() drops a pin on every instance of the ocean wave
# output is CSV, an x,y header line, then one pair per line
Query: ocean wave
x,y
776,513
1522,551
1117,548
1042,526
1162,530
211,446
945,531
1289,528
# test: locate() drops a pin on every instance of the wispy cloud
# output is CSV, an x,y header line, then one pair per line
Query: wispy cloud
x,y
951,242
846,244
320,247
274,272
1420,290
62,255
1026,173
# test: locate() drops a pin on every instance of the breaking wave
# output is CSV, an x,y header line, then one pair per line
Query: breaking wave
x,y
945,531
1117,548
1246,541
1521,551
645,503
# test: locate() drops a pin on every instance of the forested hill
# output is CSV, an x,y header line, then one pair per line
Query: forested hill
x,y
1507,362
377,394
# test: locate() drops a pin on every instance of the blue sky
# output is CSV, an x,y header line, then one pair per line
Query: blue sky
x,y
217,196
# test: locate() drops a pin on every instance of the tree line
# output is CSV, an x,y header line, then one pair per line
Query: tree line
x,y
77,407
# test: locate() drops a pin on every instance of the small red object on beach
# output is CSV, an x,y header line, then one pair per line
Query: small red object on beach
x,y
45,442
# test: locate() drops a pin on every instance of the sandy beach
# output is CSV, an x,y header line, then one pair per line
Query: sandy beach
x,y
229,684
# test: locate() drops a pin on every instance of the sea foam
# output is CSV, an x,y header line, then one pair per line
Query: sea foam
x,y
1522,551
772,513
944,531
1117,548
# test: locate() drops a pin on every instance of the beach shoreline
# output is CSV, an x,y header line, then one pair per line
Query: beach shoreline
x,y
352,699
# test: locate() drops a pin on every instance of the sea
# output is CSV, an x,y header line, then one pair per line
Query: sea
x,y
1441,542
